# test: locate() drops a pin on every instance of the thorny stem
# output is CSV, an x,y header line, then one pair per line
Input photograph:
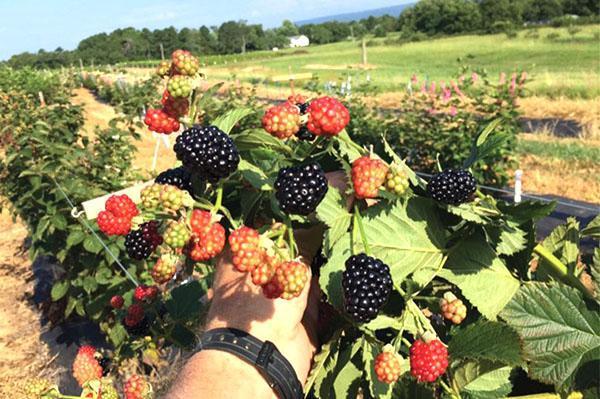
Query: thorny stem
x,y
358,221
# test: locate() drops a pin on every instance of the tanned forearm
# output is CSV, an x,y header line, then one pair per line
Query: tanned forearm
x,y
217,374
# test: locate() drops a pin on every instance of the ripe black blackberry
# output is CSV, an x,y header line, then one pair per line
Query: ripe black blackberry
x,y
305,134
367,284
302,107
208,151
142,242
300,189
452,186
178,177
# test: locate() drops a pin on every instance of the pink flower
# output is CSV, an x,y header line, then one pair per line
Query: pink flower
x,y
474,77
446,94
513,84
457,89
432,111
502,78
414,79
453,111
432,88
423,88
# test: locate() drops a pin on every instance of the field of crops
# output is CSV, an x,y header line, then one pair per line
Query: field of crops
x,y
361,230
563,65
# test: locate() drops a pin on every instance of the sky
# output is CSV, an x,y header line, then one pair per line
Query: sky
x,y
28,25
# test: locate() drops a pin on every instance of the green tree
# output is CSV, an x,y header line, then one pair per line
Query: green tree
x,y
288,28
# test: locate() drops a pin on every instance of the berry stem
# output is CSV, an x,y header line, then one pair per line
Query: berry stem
x,y
291,240
219,200
558,269
449,390
361,229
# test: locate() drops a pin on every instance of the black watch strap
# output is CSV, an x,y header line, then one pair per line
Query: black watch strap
x,y
275,368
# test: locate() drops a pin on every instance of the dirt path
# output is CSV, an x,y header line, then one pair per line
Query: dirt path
x,y
97,113
22,353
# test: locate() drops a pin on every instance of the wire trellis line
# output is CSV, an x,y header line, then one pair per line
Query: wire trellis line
x,y
77,215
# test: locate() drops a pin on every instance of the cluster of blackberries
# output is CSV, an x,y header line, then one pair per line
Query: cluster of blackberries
x,y
300,189
142,242
178,177
452,186
367,284
208,151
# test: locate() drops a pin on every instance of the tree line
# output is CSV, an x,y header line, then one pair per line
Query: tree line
x,y
427,17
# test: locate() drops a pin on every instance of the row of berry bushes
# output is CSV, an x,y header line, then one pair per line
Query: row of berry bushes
x,y
439,120
46,152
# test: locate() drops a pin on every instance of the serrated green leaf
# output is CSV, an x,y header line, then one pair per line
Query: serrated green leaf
x,y
469,213
89,284
482,380
117,335
489,340
230,119
257,138
319,369
508,238
595,272
185,303
59,289
481,276
332,211
326,375
347,374
414,321
559,329
527,210
182,336
382,321
75,237
592,229
330,279
347,147
59,221
91,244
407,236
255,176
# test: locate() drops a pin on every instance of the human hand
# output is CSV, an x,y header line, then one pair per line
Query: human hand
x,y
289,324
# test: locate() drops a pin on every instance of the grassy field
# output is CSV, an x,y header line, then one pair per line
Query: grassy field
x,y
562,66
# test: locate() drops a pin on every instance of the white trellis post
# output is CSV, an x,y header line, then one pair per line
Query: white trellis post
x,y
518,185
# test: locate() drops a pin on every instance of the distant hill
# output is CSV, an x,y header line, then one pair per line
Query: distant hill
x,y
355,16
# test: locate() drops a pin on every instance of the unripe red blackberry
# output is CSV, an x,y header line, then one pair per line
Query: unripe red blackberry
x,y
428,360
452,186
367,284
327,116
291,276
300,189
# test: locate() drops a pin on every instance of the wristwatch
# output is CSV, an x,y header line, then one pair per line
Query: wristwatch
x,y
265,356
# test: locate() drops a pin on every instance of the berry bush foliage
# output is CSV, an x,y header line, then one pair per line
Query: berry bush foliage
x,y
439,120
429,289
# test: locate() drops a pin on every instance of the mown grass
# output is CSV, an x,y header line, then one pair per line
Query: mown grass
x,y
566,150
564,66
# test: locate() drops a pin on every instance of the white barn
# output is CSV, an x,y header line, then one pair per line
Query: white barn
x,y
299,41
